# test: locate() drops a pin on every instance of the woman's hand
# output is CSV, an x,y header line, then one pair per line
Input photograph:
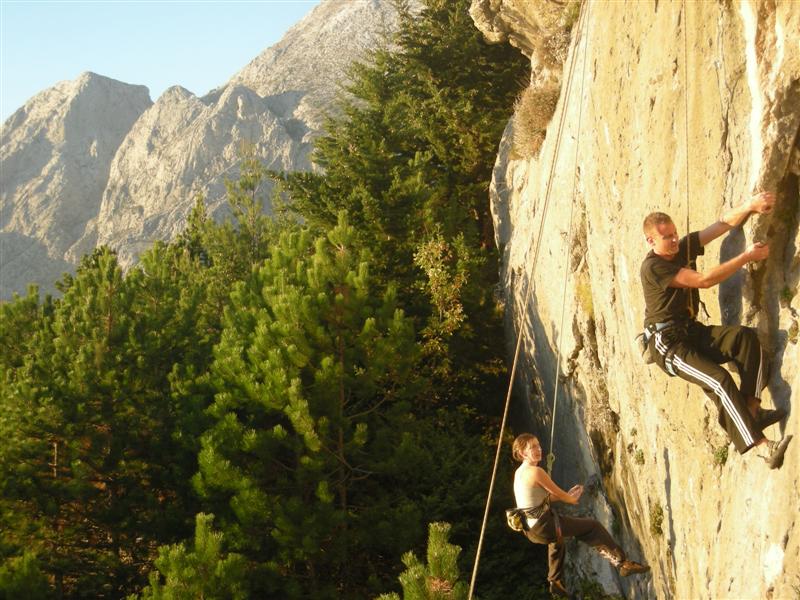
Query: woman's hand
x,y
575,493
538,476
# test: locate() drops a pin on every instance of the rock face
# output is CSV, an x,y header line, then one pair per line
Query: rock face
x,y
181,147
94,161
647,95
54,158
309,64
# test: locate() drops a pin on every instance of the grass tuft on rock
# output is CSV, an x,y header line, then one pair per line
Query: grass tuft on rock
x,y
532,112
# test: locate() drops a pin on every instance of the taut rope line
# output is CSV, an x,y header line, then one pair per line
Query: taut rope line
x,y
551,457
686,142
584,17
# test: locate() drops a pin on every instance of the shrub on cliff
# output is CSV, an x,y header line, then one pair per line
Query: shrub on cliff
x,y
533,110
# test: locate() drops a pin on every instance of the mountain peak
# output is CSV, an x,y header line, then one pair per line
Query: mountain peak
x,y
94,160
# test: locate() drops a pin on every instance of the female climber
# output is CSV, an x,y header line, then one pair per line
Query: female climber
x,y
534,491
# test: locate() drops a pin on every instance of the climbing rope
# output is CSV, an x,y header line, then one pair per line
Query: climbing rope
x,y
583,19
551,457
686,144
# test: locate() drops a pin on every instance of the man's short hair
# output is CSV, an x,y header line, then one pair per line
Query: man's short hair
x,y
654,219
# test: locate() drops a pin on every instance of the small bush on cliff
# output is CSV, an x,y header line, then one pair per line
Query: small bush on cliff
x,y
721,455
794,332
656,520
787,294
532,112
555,20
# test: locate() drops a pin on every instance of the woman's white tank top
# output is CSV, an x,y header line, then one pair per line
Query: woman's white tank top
x,y
527,496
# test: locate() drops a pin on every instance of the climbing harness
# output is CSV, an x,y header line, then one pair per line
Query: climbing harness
x,y
551,457
518,519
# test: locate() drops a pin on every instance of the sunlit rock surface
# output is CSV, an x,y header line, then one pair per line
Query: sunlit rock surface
x,y
711,523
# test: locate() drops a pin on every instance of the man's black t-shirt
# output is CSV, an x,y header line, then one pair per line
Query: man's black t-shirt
x,y
664,303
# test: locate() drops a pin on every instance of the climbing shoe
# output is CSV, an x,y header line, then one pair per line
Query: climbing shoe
x,y
775,451
765,417
557,589
628,567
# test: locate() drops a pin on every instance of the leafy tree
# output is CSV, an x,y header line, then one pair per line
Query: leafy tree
x,y
93,470
314,373
200,572
439,579
21,578
410,160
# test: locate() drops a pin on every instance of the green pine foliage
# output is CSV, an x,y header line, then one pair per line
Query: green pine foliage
x,y
313,373
415,146
200,572
21,577
92,468
19,321
226,253
440,578
324,389
410,160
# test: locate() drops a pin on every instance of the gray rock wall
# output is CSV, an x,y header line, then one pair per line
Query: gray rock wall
x,y
712,523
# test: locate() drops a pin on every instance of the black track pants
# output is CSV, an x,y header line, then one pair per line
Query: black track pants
x,y
695,353
588,531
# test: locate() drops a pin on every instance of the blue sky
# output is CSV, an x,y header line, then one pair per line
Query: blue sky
x,y
158,43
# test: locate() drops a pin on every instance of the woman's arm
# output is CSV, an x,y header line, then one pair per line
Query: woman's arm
x,y
540,477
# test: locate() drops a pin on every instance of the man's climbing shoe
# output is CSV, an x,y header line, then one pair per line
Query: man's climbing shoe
x,y
775,451
766,417
629,567
557,589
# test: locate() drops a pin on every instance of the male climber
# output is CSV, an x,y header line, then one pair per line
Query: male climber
x,y
684,347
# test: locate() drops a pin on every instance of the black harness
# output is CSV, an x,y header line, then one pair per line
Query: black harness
x,y
669,353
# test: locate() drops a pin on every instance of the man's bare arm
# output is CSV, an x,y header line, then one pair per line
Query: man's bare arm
x,y
761,203
689,278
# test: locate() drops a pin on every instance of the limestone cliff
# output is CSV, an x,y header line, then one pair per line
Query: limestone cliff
x,y
651,90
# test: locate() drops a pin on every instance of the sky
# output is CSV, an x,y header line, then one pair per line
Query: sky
x,y
198,44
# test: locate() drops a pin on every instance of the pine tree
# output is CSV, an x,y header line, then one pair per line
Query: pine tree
x,y
22,577
200,572
224,253
439,579
93,469
313,374
20,320
410,160
414,148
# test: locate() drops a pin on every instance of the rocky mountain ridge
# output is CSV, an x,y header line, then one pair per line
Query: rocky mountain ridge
x,y
95,161
710,90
